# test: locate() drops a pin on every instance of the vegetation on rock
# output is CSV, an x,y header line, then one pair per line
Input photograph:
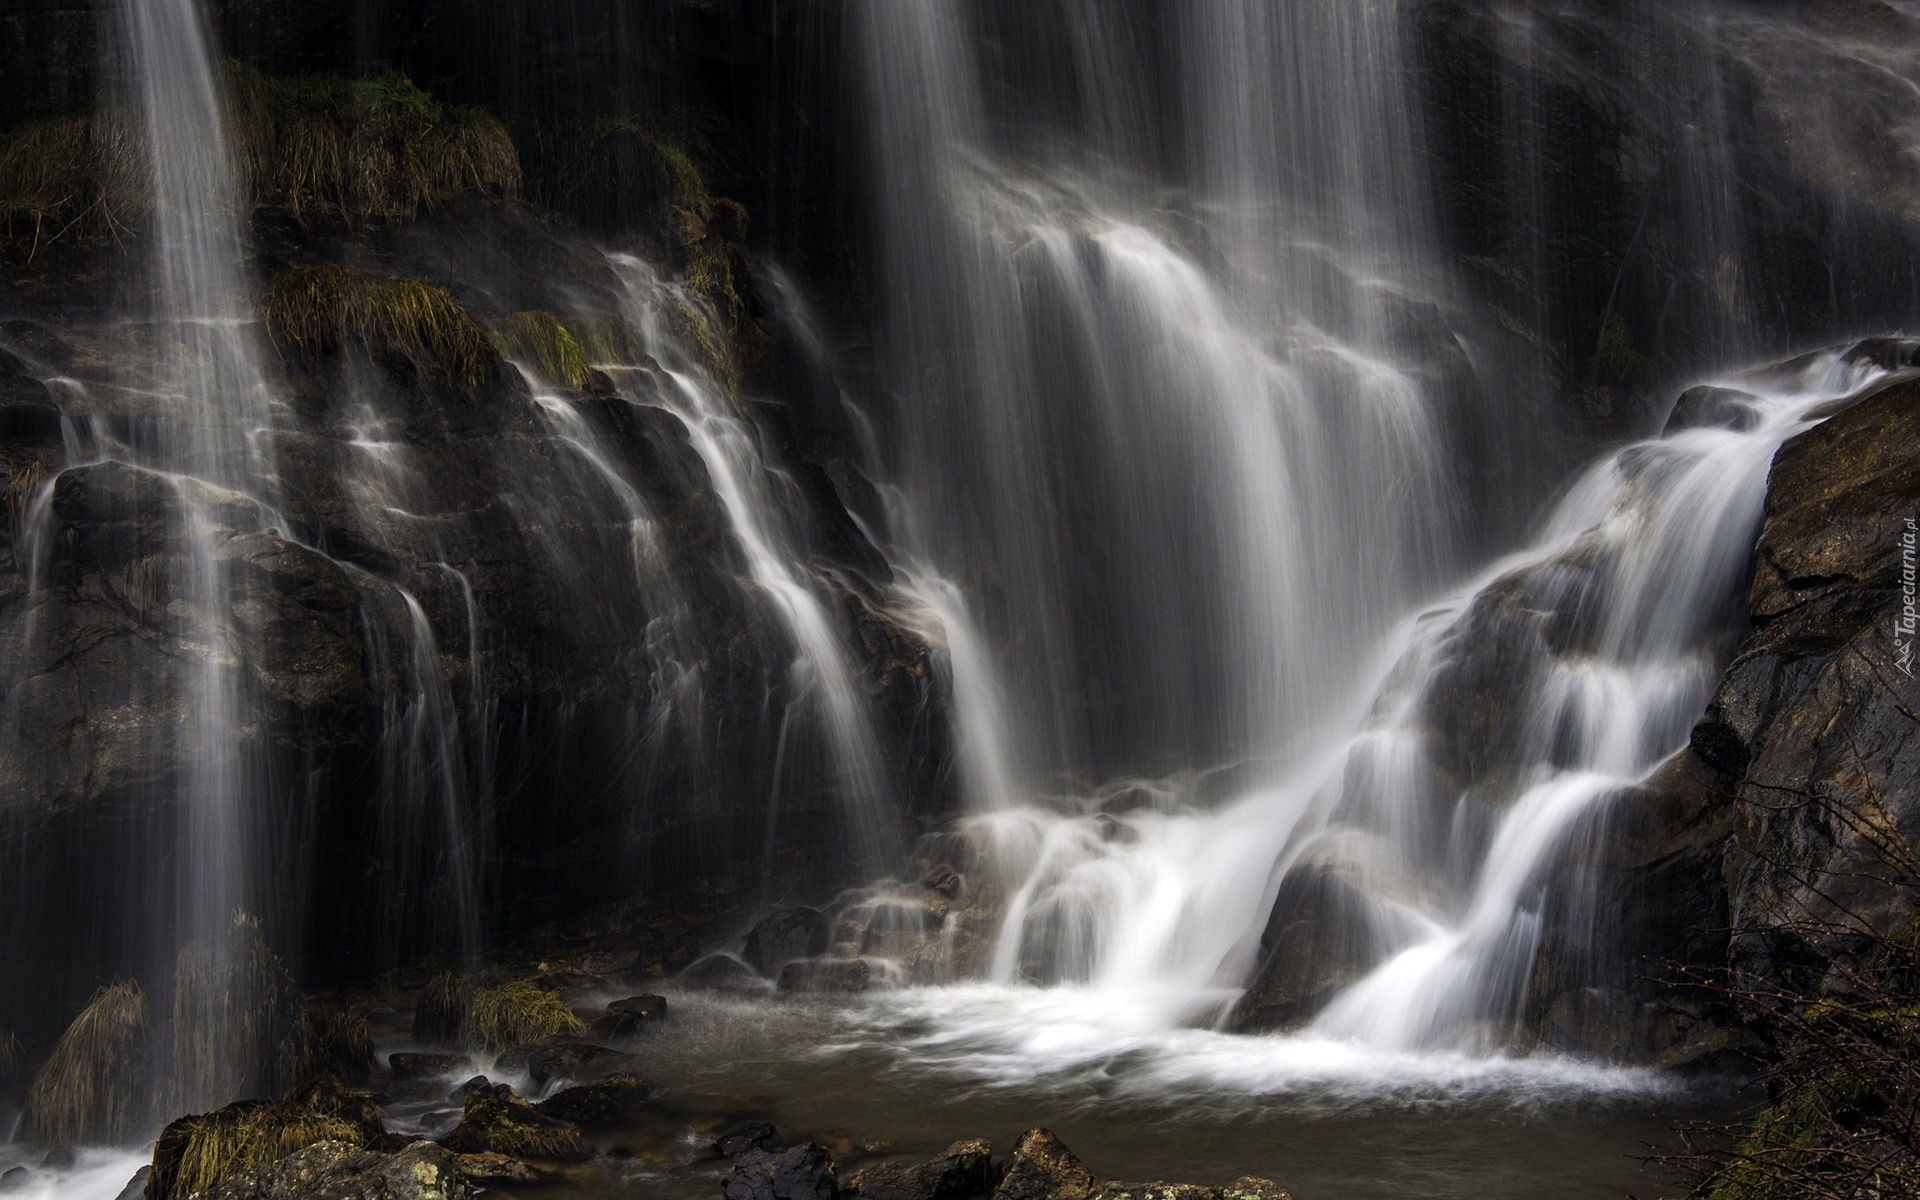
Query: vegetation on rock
x,y
237,1018
331,148
320,147
196,1152
541,339
86,1090
313,311
440,1014
520,1013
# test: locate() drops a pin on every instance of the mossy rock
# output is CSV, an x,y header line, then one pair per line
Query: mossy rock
x,y
499,1120
194,1153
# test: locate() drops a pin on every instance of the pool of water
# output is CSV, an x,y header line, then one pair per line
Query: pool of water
x,y
902,1074
906,1073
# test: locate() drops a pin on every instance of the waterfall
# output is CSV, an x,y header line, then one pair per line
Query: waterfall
x,y
825,676
207,366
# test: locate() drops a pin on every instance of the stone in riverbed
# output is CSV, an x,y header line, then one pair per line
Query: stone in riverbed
x,y
415,1065
491,1169
1042,1168
624,1018
330,1170
607,1102
501,1121
959,1172
784,936
571,1058
826,975
754,1135
803,1172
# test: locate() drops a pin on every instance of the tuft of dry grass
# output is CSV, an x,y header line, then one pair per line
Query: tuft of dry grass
x,y
195,1153
520,1013
321,147
87,1089
236,1018
440,1015
334,1040
542,339
331,148
82,172
317,310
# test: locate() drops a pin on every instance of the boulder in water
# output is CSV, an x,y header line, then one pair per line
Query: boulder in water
x,y
624,1018
606,1102
783,936
1042,1168
803,1172
959,1172
501,1121
826,975
721,973
407,1064
754,1135
1317,941
1713,407
571,1059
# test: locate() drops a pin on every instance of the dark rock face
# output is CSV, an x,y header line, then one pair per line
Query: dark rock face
x,y
571,1058
803,1172
338,1171
1816,716
958,1173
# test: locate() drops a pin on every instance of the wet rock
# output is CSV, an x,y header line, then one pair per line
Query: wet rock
x,y
959,1172
136,1188
1317,941
500,1121
803,1172
624,1018
826,975
1815,715
1155,1191
1042,1168
491,1170
572,1059
479,1083
408,1064
339,1171
944,880
1713,407
196,1152
753,1136
15,1179
607,1102
721,973
784,936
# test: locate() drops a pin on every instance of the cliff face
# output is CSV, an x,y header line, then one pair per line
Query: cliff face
x,y
499,608
1816,718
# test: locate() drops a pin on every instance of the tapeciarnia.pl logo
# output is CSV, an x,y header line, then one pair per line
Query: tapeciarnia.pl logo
x,y
1905,624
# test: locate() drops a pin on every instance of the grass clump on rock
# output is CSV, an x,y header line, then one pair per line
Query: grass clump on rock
x,y
86,1090
541,338
518,1014
318,310
81,172
440,1015
195,1153
320,147
333,148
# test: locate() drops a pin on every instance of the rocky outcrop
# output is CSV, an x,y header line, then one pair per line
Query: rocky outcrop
x,y
340,1171
1816,718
